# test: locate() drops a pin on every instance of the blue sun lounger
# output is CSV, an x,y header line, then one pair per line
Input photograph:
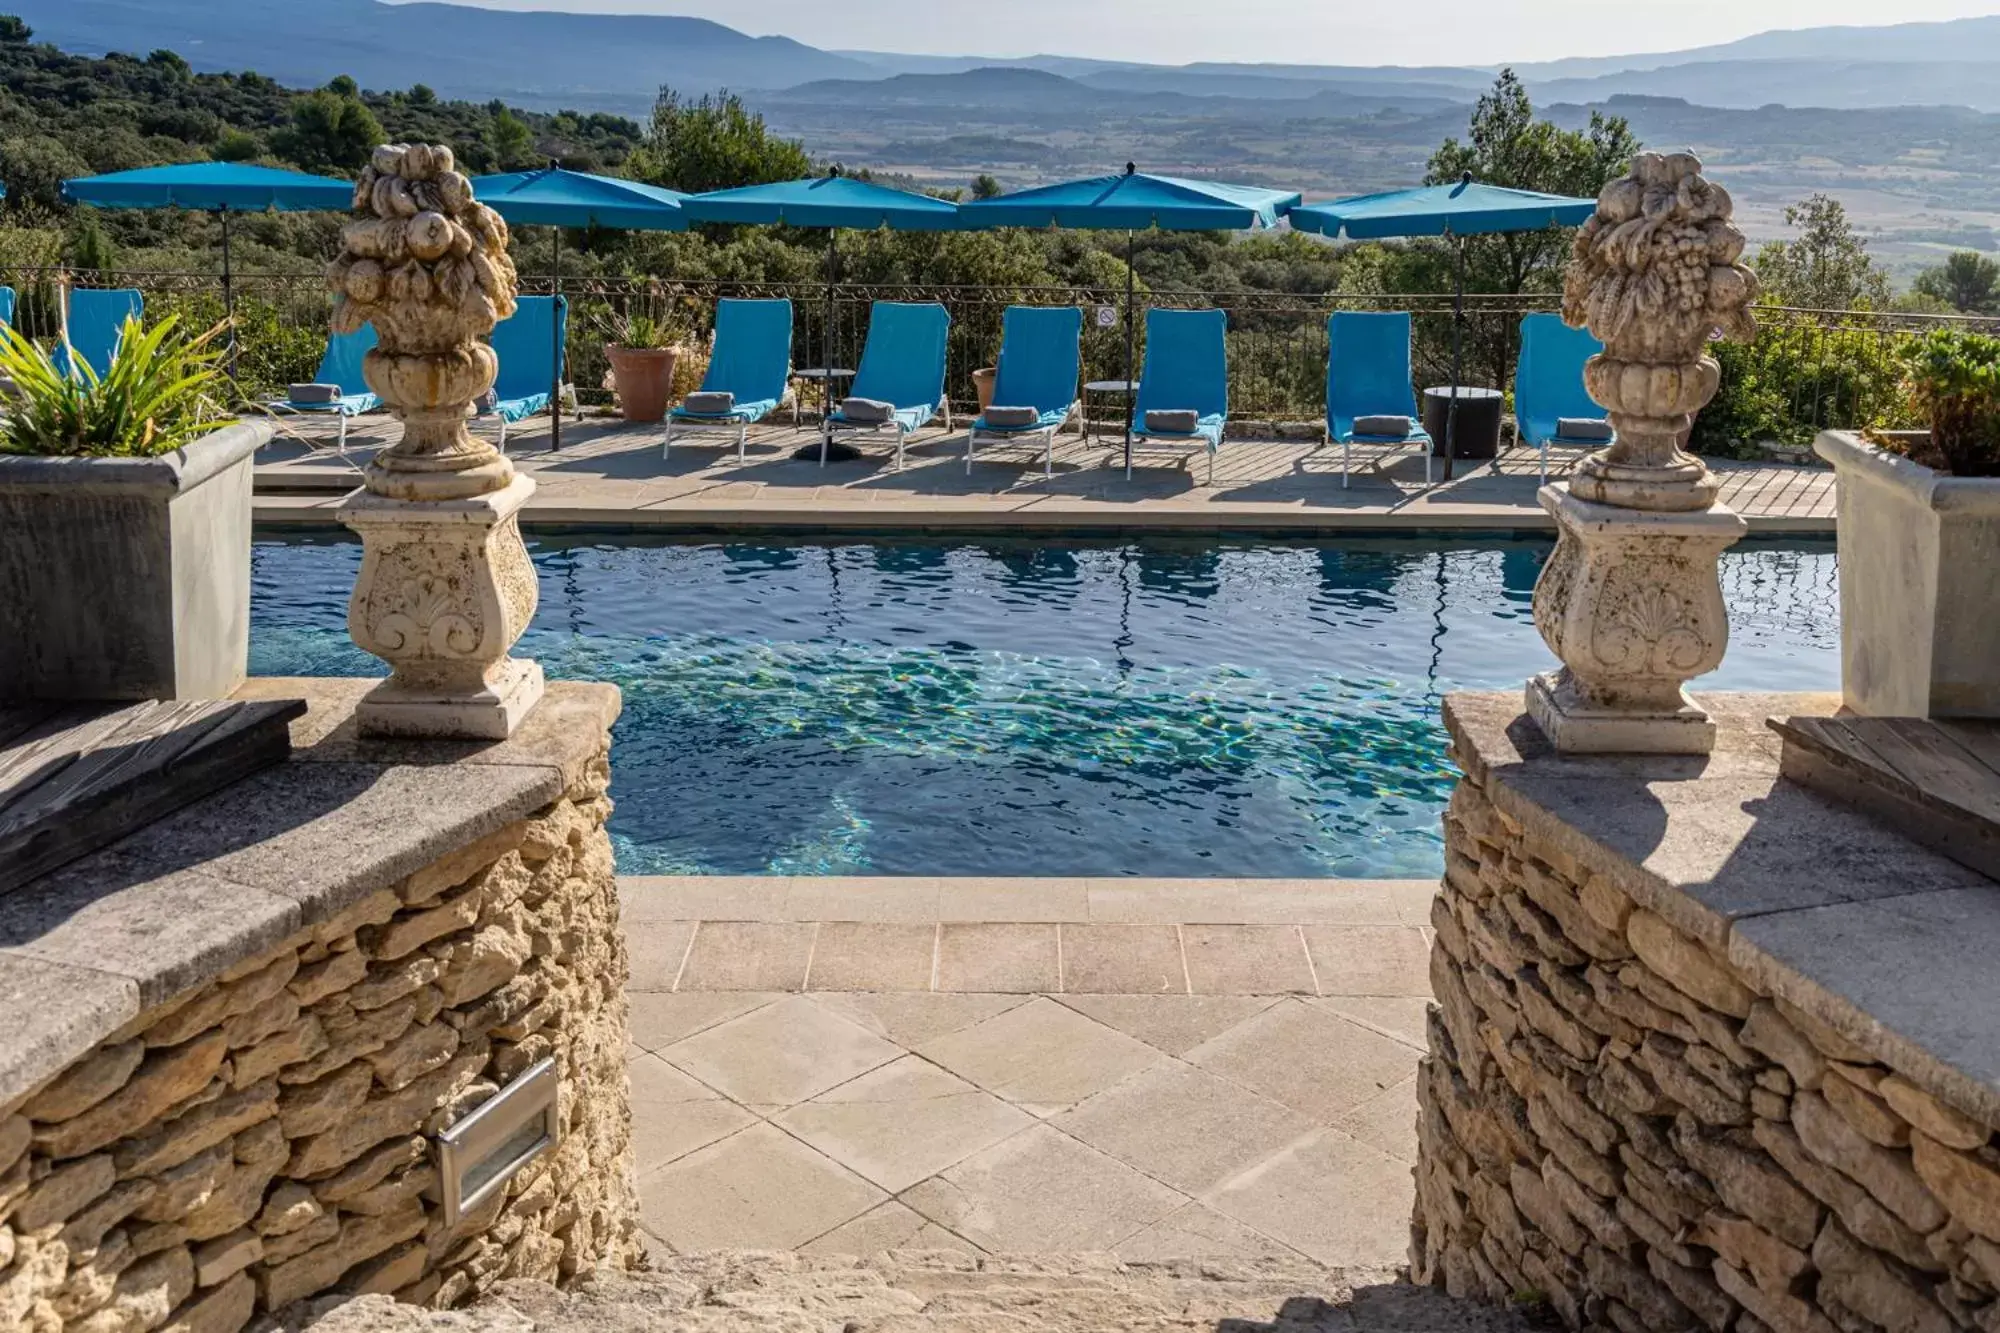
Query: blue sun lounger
x,y
752,360
93,322
1368,375
902,365
1187,369
1040,353
526,343
1548,384
6,305
340,367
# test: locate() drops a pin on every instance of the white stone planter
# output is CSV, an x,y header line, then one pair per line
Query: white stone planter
x,y
1919,596
128,578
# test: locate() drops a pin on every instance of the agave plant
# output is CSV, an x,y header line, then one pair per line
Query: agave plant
x,y
159,394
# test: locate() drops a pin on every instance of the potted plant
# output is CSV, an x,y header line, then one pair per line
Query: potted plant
x,y
1919,534
642,367
124,522
982,385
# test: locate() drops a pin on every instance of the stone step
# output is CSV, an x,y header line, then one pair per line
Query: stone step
x,y
921,1292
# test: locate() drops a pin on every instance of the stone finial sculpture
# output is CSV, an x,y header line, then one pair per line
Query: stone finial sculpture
x,y
1631,598
427,265
446,586
1655,275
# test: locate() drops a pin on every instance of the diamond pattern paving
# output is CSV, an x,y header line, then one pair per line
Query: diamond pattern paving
x,y
1274,1117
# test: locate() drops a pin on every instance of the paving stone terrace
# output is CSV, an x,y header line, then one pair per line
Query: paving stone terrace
x,y
1143,1069
611,474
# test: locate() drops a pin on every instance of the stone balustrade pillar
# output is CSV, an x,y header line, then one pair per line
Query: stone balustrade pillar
x,y
1631,599
446,587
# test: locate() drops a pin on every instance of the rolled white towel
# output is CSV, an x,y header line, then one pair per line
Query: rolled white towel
x,y
869,411
314,393
1583,428
1012,416
1393,427
1180,420
710,402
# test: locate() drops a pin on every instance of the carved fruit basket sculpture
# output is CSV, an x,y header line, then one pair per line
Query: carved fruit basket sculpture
x,y
428,267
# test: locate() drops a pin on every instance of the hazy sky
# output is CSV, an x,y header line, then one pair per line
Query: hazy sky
x,y
1321,32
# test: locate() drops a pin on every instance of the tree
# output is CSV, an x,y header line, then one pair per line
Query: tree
x,y
1827,267
35,166
12,29
985,187
328,132
1967,281
234,145
422,94
343,85
714,142
90,248
1507,146
170,61
513,142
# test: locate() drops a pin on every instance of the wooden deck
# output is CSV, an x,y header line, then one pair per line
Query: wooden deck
x,y
612,475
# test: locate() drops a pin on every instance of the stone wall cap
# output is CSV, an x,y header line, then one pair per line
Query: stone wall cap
x,y
1940,491
1886,941
86,948
168,474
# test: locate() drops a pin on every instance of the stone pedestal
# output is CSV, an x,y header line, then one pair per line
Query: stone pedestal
x,y
1631,602
445,589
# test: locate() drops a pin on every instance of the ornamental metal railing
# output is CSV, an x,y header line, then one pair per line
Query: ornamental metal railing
x,y
1808,370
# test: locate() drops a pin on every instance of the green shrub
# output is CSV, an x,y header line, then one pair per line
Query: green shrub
x,y
1792,383
1954,382
159,394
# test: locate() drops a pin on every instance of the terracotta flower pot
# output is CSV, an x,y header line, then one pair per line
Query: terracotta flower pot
x,y
982,384
645,378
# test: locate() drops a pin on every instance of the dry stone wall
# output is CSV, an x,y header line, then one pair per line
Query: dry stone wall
x,y
262,1138
1616,1122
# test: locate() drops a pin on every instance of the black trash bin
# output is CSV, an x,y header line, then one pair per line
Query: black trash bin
x,y
1479,412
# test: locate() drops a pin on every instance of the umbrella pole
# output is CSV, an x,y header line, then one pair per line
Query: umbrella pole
x,y
826,448
556,349
826,344
228,294
1457,360
1131,334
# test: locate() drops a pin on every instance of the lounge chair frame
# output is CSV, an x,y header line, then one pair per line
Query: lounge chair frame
x,y
832,427
992,435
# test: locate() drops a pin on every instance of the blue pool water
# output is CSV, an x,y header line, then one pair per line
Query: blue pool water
x,y
1002,708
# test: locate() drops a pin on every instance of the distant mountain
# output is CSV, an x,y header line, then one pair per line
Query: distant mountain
x,y
1803,82
976,94
613,62
991,86
591,61
1950,41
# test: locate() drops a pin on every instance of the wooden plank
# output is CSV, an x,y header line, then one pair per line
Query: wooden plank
x,y
1932,761
1916,775
1981,740
1975,846
19,719
84,778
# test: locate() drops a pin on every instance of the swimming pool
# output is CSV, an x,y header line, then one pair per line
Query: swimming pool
x,y
1017,708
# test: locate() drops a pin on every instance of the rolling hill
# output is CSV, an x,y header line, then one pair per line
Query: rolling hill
x,y
601,62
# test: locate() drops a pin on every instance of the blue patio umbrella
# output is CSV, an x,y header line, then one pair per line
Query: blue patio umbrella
x,y
556,198
214,187
1133,201
1465,208
832,201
